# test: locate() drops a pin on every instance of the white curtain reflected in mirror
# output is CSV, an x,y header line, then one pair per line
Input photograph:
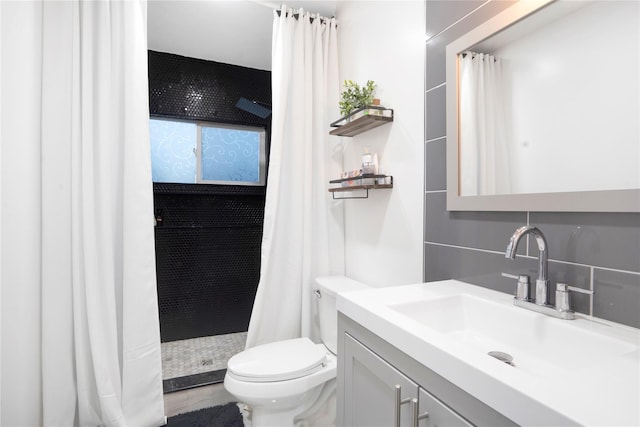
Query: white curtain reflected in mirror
x,y
484,157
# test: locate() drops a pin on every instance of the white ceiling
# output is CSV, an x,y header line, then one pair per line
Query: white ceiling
x,y
230,31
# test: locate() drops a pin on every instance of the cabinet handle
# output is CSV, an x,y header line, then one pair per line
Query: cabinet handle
x,y
414,410
399,402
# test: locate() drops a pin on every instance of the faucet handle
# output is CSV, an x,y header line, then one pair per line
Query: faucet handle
x,y
562,295
514,276
522,290
582,291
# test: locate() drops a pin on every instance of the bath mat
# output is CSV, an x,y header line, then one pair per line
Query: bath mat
x,y
218,416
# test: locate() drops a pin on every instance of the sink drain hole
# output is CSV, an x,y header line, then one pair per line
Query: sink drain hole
x,y
503,357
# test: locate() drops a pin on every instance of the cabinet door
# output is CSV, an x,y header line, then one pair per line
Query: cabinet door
x,y
370,389
438,414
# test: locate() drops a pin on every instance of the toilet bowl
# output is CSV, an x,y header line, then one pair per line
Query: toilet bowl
x,y
283,379
276,400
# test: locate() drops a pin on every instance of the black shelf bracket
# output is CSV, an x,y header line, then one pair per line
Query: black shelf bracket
x,y
366,196
365,187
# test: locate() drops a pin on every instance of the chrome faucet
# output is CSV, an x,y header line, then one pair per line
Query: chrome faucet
x,y
562,308
542,284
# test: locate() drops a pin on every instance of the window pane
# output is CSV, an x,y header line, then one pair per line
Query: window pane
x,y
172,155
230,155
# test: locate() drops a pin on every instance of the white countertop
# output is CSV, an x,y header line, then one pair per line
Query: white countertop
x,y
604,393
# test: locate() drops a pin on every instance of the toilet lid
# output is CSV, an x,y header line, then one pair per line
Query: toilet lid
x,y
278,361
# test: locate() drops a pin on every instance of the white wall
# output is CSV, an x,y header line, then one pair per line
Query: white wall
x,y
0,216
229,31
20,388
384,41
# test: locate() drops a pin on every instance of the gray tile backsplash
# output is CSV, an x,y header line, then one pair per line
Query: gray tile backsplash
x,y
598,251
472,266
436,114
611,240
440,15
446,14
435,173
617,296
480,230
485,269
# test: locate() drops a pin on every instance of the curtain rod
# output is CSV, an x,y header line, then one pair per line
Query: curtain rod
x,y
464,54
323,19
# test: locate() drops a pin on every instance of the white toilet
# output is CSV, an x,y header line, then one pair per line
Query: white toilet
x,y
281,380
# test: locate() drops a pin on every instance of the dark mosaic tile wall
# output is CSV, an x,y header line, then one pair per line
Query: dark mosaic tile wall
x,y
590,250
192,88
209,236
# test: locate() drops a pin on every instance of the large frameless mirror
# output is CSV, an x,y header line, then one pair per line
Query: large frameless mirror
x,y
543,107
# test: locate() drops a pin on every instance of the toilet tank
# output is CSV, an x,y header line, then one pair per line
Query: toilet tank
x,y
328,287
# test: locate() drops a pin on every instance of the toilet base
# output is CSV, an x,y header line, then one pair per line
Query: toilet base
x,y
261,417
319,405
282,413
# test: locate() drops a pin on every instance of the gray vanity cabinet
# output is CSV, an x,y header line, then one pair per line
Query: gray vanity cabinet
x,y
377,391
371,383
436,413
376,379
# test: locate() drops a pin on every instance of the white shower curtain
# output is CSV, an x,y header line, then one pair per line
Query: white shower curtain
x,y
302,235
484,164
80,334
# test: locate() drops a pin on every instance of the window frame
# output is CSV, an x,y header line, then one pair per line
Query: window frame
x,y
262,162
197,150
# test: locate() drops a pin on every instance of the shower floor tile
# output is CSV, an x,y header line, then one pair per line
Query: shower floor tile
x,y
200,355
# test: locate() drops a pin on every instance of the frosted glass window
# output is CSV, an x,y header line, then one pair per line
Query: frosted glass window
x,y
208,153
172,151
231,154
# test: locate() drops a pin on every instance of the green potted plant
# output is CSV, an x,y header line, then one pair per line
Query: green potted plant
x,y
353,96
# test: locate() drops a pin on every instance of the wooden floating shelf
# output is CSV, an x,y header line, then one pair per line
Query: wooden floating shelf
x,y
344,127
360,125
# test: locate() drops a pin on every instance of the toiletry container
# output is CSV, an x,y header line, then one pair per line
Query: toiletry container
x,y
367,162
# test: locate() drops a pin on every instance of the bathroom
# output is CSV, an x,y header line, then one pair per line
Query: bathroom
x,y
397,237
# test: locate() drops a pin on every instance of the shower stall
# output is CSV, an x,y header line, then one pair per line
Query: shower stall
x,y
208,265
208,230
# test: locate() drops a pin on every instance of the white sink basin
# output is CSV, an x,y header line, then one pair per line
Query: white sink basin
x,y
565,372
537,346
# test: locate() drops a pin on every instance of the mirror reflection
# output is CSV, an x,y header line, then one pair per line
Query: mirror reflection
x,y
551,104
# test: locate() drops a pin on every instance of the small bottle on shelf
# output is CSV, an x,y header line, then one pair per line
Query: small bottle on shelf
x,y
367,162
375,111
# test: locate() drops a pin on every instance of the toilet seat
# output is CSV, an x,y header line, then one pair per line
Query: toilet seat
x,y
278,361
